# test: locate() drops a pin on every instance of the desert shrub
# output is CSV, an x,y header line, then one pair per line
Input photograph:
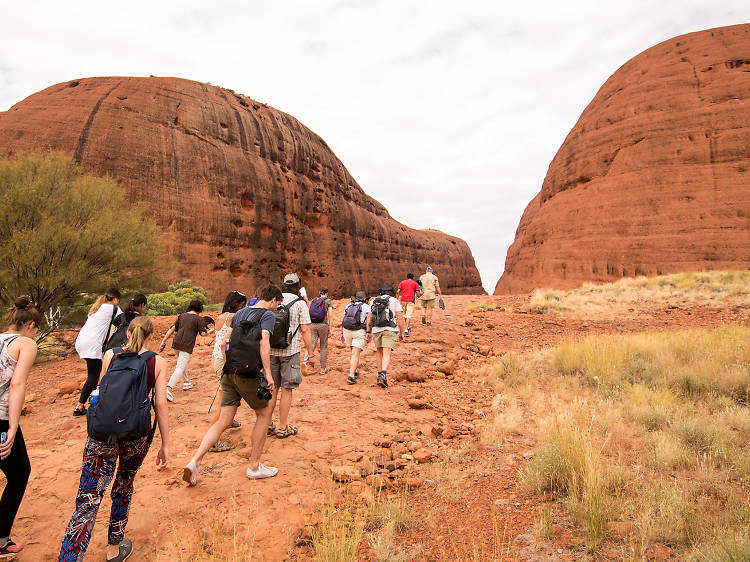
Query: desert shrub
x,y
665,451
544,301
64,233
667,514
338,535
733,548
176,299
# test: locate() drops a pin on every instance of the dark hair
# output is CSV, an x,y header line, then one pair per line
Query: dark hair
x,y
410,276
234,302
324,291
195,305
270,292
109,295
386,290
22,312
138,300
291,287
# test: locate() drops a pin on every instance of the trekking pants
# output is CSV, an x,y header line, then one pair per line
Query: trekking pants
x,y
99,460
319,331
180,370
16,468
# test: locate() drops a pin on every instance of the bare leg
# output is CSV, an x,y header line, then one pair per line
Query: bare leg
x,y
285,404
386,358
258,435
354,362
379,355
226,415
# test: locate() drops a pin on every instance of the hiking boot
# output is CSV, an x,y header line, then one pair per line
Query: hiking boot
x,y
81,412
10,549
262,471
126,549
351,379
382,379
407,332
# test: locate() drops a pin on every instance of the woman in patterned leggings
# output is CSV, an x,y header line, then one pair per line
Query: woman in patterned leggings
x,y
100,458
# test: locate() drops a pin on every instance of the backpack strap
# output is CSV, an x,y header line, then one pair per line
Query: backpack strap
x,y
289,308
109,327
146,355
6,342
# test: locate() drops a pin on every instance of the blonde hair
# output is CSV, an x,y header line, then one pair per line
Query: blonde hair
x,y
109,295
140,328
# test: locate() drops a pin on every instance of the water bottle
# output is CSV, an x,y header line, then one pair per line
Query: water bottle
x,y
94,398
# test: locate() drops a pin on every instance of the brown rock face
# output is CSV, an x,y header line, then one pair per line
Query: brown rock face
x,y
244,193
655,176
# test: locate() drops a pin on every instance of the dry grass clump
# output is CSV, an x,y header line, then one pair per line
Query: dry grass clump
x,y
480,306
657,434
705,287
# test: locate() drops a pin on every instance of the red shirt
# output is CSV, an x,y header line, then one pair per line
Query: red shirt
x,y
408,290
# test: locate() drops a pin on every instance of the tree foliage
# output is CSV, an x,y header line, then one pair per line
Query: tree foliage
x,y
176,299
64,233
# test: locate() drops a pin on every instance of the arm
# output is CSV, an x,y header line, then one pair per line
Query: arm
x,y
398,293
368,328
165,338
106,361
265,357
17,391
437,288
162,417
307,338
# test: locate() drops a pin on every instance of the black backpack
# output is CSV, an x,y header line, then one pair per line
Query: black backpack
x,y
243,354
382,315
281,337
353,317
119,336
123,412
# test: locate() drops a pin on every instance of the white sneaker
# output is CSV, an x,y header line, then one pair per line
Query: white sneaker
x,y
262,471
187,386
170,396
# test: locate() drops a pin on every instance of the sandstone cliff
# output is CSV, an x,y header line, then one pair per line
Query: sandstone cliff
x,y
654,177
243,192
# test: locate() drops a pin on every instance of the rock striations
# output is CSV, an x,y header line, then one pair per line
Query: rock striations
x,y
654,177
242,191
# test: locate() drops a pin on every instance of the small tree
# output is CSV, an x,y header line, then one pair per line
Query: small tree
x,y
64,233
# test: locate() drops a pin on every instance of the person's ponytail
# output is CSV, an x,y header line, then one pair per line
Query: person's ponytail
x,y
139,329
109,295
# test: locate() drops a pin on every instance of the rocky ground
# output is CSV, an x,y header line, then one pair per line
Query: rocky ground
x,y
422,434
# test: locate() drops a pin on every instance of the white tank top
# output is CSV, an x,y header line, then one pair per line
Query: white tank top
x,y
220,335
7,367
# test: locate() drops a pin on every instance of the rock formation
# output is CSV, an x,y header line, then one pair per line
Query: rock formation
x,y
242,191
655,176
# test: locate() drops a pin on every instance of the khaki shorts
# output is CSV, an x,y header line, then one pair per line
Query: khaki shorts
x,y
355,338
234,388
386,338
218,366
408,308
285,371
428,303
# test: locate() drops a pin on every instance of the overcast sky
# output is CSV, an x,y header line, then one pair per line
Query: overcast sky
x,y
448,113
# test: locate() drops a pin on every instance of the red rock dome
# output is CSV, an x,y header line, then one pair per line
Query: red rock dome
x,y
655,176
243,192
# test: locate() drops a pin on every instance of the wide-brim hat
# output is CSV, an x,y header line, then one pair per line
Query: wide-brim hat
x,y
291,279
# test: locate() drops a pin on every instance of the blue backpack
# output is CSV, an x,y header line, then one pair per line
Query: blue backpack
x,y
123,412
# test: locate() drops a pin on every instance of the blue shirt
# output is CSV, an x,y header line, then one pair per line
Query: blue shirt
x,y
267,320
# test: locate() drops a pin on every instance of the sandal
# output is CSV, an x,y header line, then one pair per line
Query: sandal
x,y
220,447
170,396
288,431
10,549
271,430
235,424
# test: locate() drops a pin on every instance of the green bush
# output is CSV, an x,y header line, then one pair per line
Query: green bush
x,y
176,299
65,233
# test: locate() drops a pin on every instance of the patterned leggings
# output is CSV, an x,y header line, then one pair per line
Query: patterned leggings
x,y
99,461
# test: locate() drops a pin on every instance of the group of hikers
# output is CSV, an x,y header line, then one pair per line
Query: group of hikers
x,y
256,358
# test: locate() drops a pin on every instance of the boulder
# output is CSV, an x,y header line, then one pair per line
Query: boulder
x,y
423,455
345,473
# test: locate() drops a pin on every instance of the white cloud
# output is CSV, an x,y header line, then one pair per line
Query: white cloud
x,y
447,113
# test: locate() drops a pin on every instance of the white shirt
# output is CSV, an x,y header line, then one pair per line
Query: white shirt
x,y
91,337
395,307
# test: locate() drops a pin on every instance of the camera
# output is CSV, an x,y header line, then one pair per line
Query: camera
x,y
263,392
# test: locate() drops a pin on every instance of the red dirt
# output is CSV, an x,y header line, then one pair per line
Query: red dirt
x,y
339,425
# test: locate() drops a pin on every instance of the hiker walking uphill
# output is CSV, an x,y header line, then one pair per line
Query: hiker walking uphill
x,y
247,376
185,329
430,293
408,291
17,354
387,325
92,339
320,328
135,307
354,331
292,325
233,303
119,433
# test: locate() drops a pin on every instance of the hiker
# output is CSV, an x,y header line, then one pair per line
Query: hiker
x,y
135,307
234,302
408,291
185,329
354,331
92,339
17,355
135,374
430,293
247,376
292,325
320,328
386,324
